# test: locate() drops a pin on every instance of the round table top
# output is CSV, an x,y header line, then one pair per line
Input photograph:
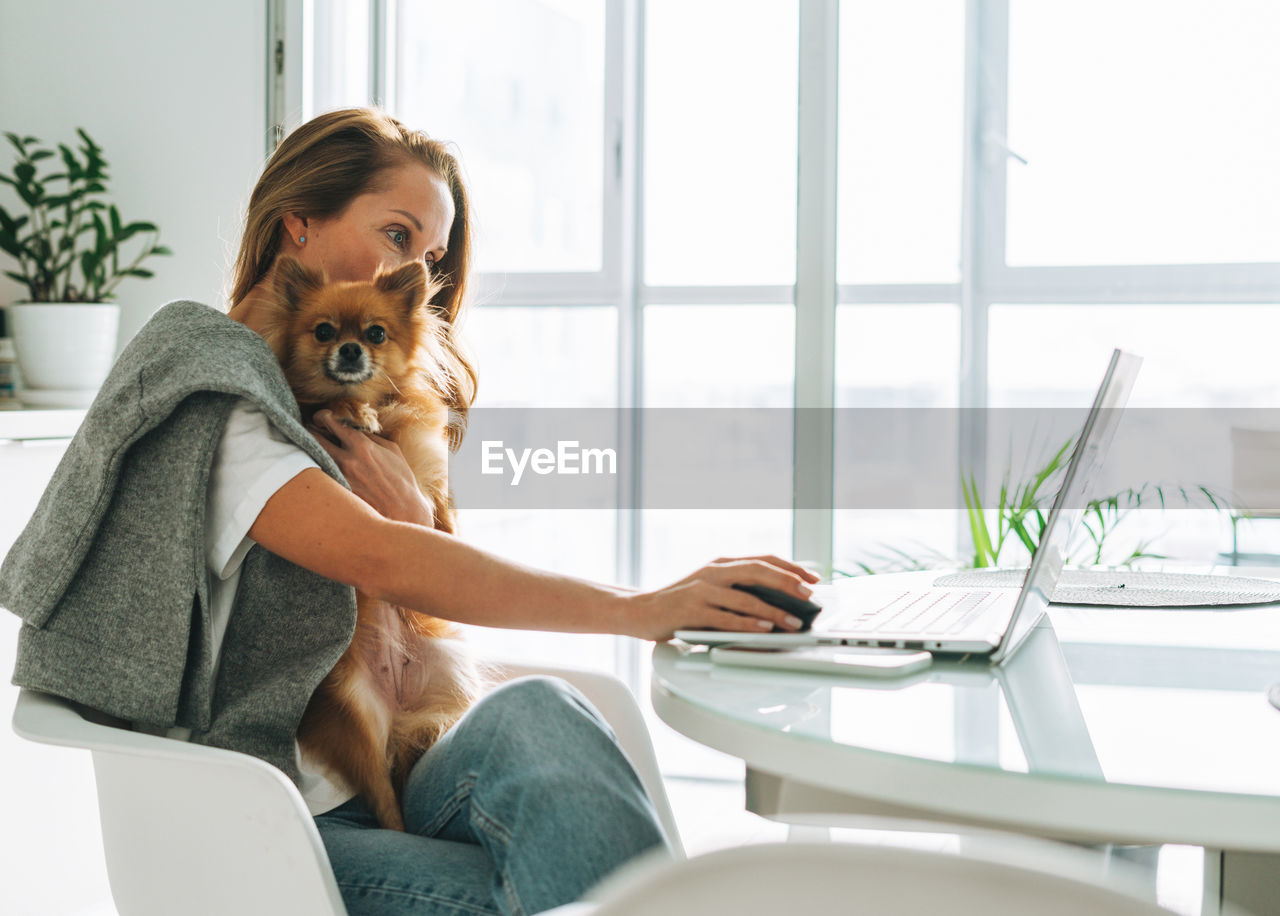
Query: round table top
x,y
1110,712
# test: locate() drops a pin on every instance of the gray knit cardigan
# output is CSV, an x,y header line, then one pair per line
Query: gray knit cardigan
x,y
109,577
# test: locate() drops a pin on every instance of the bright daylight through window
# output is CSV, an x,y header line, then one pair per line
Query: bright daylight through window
x,y
1017,192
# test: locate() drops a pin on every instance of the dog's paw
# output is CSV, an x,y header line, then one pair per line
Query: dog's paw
x,y
356,415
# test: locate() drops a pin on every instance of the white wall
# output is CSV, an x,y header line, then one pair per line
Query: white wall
x,y
174,91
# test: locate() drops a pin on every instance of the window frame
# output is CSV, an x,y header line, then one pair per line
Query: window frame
x,y
985,278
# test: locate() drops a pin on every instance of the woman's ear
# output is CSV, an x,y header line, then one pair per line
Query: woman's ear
x,y
296,225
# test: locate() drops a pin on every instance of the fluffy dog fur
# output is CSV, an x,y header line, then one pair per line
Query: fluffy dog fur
x,y
371,353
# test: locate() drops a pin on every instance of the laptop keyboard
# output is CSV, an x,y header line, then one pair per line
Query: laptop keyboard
x,y
918,612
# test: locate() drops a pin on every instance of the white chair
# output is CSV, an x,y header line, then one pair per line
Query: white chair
x,y
817,879
200,830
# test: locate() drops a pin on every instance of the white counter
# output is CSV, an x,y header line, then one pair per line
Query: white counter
x,y
39,423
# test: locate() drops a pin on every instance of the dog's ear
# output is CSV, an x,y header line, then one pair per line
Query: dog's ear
x,y
293,281
408,284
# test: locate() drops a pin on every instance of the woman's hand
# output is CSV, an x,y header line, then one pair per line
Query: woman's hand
x,y
707,600
376,470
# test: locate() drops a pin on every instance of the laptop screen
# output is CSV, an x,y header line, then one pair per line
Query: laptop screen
x,y
1069,505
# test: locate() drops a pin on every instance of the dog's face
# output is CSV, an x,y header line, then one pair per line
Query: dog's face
x,y
352,339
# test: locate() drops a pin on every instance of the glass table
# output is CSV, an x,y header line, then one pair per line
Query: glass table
x,y
1124,726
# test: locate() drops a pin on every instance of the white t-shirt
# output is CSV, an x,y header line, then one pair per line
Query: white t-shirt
x,y
252,463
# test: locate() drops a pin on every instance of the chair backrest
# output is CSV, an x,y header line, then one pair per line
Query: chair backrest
x,y
189,828
200,830
840,877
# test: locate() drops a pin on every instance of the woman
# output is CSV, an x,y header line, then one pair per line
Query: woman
x,y
527,801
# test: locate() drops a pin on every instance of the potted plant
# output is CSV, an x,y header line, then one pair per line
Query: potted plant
x,y
69,247
1021,513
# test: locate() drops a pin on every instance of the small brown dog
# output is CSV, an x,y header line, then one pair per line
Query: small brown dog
x,y
370,352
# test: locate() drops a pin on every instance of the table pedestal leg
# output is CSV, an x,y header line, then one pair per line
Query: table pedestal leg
x,y
1233,881
805,833
795,802
1249,881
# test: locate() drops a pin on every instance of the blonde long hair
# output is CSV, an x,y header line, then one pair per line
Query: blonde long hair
x,y
317,171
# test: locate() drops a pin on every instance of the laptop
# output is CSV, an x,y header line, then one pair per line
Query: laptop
x,y
986,623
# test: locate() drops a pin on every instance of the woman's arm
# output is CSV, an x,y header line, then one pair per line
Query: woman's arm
x,y
315,522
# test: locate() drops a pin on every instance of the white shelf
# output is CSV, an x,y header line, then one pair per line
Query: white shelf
x,y
25,424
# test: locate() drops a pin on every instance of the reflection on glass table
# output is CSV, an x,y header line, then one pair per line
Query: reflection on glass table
x,y
1126,726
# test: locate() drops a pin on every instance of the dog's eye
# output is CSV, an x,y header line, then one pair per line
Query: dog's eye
x,y
376,334
325,332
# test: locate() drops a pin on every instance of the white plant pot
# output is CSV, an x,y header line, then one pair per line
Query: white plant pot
x,y
65,350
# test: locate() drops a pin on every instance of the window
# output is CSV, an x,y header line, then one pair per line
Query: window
x,y
525,104
897,370
1014,190
720,143
900,141
1151,141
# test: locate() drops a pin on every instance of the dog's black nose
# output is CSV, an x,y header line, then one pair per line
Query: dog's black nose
x,y
350,352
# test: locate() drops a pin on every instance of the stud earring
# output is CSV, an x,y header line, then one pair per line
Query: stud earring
x,y
302,239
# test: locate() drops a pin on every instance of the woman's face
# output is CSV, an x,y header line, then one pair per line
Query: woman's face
x,y
406,219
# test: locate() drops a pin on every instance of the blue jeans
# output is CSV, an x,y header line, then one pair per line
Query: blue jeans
x,y
522,806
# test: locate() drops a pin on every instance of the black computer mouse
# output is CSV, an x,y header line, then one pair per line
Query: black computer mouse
x,y
805,610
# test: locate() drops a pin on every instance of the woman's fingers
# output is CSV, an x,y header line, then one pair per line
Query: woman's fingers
x,y
773,560
706,599
755,571
737,623
750,612
350,438
322,437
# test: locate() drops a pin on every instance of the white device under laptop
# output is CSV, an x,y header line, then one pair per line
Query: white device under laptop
x,y
990,622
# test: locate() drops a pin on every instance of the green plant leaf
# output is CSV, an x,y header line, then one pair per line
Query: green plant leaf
x,y
101,245
74,170
1214,501
88,141
1021,531
55,258
982,554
